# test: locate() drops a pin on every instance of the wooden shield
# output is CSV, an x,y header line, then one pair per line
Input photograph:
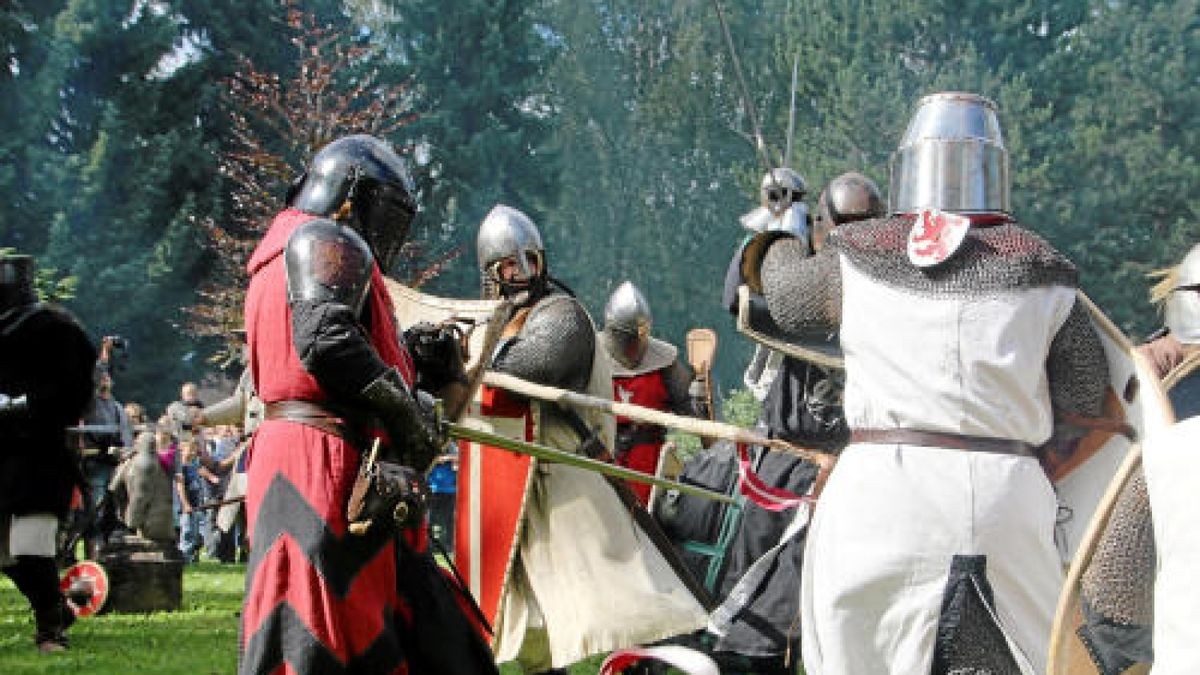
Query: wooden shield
x,y
1091,484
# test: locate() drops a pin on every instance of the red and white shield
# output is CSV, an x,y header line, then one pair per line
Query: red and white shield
x,y
935,236
85,585
493,486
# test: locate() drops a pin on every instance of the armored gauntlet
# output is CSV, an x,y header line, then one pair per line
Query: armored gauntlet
x,y
410,426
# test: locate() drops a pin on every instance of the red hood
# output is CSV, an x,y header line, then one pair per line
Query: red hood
x,y
276,238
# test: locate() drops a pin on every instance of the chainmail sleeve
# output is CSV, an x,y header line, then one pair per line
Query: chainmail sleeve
x,y
555,346
803,293
1076,367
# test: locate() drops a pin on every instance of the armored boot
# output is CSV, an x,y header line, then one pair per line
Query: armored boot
x,y
52,623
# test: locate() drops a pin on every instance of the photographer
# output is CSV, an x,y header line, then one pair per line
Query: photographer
x,y
109,432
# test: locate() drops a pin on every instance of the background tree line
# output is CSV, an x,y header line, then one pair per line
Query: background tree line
x,y
616,124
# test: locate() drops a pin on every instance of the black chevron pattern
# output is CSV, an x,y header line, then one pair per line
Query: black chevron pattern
x,y
337,559
283,636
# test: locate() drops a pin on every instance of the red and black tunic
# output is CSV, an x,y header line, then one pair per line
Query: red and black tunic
x,y
318,600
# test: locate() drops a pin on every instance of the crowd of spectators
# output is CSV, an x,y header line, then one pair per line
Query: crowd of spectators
x,y
198,461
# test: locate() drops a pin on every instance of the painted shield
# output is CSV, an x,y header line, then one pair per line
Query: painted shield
x,y
493,491
85,586
935,236
1089,486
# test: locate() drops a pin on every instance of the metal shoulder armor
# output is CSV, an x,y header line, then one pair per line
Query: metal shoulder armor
x,y
327,262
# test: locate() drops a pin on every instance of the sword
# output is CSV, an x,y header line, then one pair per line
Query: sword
x,y
546,453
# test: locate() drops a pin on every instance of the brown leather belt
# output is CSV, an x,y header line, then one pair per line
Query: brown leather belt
x,y
307,413
934,439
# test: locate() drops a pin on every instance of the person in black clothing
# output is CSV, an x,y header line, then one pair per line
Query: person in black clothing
x,y
46,363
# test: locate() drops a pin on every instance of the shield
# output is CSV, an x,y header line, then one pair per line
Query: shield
x,y
754,322
85,586
488,512
1090,486
493,492
935,236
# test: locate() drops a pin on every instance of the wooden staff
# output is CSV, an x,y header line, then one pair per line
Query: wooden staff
x,y
646,415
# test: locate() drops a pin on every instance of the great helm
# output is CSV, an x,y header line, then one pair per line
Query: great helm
x,y
366,173
16,281
1181,311
508,233
627,323
952,157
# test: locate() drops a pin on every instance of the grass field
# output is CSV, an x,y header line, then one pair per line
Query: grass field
x,y
201,639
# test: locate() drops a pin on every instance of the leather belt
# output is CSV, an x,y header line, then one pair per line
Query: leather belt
x,y
308,413
935,439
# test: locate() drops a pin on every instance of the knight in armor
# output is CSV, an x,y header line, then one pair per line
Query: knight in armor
x,y
1137,592
965,341
583,576
760,580
46,364
336,381
646,372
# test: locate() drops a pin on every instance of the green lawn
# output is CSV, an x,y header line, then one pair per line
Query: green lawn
x,y
201,639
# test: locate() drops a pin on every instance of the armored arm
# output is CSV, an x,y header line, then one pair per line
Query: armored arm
x,y
555,345
329,272
1076,367
802,291
686,394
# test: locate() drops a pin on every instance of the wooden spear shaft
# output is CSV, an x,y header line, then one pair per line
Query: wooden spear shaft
x,y
646,415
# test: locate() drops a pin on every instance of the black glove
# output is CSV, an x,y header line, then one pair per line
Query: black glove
x,y
410,426
438,354
12,407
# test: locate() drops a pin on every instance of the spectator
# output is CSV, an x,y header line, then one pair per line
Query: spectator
x,y
101,449
189,490
221,457
183,413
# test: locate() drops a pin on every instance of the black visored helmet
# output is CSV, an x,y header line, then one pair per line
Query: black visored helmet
x,y
366,172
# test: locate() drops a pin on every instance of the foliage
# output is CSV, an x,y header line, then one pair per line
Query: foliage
x,y
276,122
481,92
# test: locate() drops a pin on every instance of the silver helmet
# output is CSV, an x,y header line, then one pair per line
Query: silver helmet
x,y
780,188
848,198
952,157
1181,310
506,233
627,323
782,208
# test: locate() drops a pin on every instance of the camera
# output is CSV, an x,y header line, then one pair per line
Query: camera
x,y
117,341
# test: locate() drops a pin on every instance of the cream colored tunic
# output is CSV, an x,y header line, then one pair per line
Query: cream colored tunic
x,y
586,578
